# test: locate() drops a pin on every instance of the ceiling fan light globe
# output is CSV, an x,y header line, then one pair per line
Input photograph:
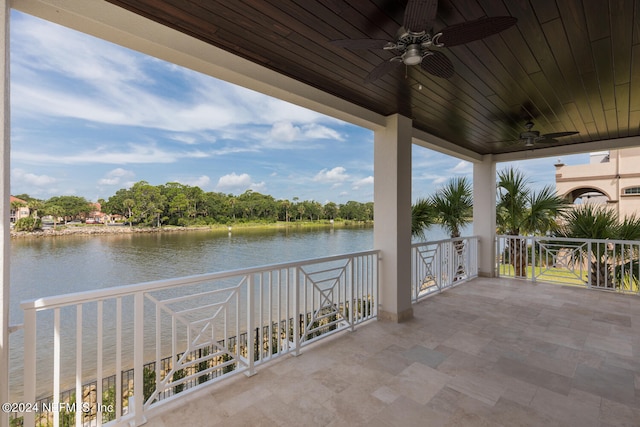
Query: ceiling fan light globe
x,y
413,55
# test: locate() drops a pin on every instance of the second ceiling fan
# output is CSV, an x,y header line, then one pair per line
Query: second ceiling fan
x,y
417,44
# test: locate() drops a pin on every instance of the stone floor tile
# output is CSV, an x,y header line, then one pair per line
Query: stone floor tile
x,y
615,414
424,355
478,386
419,383
609,382
533,375
552,364
467,342
610,344
571,411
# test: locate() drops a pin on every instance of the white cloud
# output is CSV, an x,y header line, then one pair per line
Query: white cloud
x,y
463,167
440,180
202,181
337,174
316,131
59,72
284,131
25,178
239,183
363,182
115,176
135,154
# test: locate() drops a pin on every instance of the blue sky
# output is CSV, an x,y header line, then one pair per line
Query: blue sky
x,y
90,117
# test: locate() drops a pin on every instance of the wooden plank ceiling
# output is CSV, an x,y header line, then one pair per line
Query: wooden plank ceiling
x,y
567,64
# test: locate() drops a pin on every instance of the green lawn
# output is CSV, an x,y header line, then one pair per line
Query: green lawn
x,y
561,276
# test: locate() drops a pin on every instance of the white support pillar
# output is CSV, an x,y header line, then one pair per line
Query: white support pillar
x,y
5,208
484,214
392,216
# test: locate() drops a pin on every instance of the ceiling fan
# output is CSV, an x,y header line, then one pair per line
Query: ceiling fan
x,y
532,137
416,44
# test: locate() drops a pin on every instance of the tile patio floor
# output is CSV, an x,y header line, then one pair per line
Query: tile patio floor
x,y
491,352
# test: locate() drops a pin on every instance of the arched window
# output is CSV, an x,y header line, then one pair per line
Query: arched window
x,y
631,191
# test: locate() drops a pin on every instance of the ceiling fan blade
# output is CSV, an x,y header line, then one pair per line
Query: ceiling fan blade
x,y
360,43
380,70
419,14
559,134
548,140
438,64
475,30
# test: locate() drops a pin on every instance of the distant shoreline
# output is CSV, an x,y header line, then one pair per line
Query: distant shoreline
x,y
101,229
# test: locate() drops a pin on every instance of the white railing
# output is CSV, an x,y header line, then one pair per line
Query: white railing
x,y
128,350
442,264
593,263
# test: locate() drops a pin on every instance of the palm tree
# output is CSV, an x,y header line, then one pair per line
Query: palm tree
x,y
56,212
591,221
453,205
422,217
523,211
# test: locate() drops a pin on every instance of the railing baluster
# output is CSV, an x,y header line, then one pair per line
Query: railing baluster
x,y
79,393
99,365
296,311
29,362
138,358
56,365
250,326
118,358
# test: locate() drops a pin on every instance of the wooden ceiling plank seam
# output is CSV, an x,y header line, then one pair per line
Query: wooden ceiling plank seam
x,y
595,103
365,59
473,107
245,16
170,16
612,123
621,39
277,40
603,57
622,109
561,50
634,122
592,129
358,14
346,75
597,27
313,30
447,105
576,118
573,16
636,23
634,87
545,10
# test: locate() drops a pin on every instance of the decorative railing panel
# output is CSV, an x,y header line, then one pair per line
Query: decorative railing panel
x,y
442,264
114,356
593,263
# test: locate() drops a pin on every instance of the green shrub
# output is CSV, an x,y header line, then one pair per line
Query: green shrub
x,y
28,224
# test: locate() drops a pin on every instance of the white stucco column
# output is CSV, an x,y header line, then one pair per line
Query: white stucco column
x,y
5,208
392,216
484,214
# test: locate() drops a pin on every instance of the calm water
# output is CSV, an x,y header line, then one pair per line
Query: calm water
x,y
58,265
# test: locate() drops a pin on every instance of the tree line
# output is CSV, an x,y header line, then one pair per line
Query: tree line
x,y
178,204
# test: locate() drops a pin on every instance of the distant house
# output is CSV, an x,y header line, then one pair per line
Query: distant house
x,y
611,177
19,209
96,216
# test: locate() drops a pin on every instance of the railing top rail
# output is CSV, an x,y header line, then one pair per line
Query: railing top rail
x,y
433,242
120,291
570,239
